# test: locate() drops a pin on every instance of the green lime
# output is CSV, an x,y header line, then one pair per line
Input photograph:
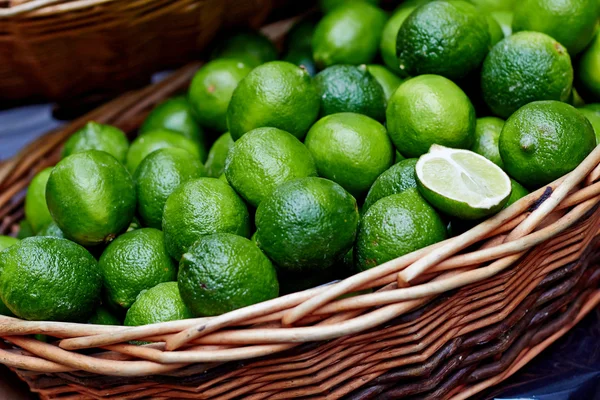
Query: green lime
x,y
51,230
517,192
543,141
25,230
487,134
307,224
302,58
175,115
276,94
158,176
389,36
448,38
496,32
587,71
263,159
573,23
462,183
504,18
94,136
223,272
103,316
328,5
397,179
593,115
135,261
201,207
211,90
399,157
525,67
223,178
145,144
350,149
394,226
215,163
387,79
347,88
91,197
36,210
253,48
49,279
349,34
7,241
494,5
430,109
161,303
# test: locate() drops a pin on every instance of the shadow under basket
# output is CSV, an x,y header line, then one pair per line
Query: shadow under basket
x,y
446,321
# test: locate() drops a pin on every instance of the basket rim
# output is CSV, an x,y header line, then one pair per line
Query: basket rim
x,y
35,6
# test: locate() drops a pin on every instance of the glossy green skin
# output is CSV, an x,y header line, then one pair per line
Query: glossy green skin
x,y
94,136
594,117
430,109
525,67
49,279
350,34
346,88
160,303
494,5
36,209
307,224
201,207
572,23
388,80
487,134
158,176
543,141
215,163
51,230
350,149
448,38
224,272
328,5
387,46
265,158
587,71
253,48
276,94
103,316
397,179
496,32
135,261
145,144
91,197
394,226
517,192
211,89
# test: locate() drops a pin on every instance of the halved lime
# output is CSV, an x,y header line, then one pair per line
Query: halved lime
x,y
462,183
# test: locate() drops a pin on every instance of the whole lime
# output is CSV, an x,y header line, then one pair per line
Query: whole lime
x,y
487,134
253,48
389,36
177,115
263,159
91,197
94,136
215,163
36,210
397,179
161,303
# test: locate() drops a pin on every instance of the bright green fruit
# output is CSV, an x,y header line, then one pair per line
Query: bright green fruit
x,y
575,99
399,157
135,261
397,179
430,109
158,176
543,141
587,71
517,192
350,149
201,207
25,230
394,226
462,183
211,89
571,22
389,36
487,134
350,34
388,80
494,5
175,115
94,136
504,18
7,241
276,94
346,88
525,67
223,272
49,279
253,48
152,141
593,115
51,230
161,303
215,163
36,210
307,224
448,38
103,316
328,5
496,32
91,197
263,159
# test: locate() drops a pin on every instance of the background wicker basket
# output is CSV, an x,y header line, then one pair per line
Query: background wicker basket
x,y
62,49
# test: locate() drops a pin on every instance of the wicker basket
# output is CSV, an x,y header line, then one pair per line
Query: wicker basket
x,y
61,49
447,321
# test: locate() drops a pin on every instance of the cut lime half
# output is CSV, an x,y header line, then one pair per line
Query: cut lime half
x,y
462,183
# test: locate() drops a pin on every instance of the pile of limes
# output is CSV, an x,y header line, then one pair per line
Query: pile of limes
x,y
321,164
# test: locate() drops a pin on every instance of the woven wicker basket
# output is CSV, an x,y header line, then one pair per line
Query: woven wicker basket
x,y
447,321
61,49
